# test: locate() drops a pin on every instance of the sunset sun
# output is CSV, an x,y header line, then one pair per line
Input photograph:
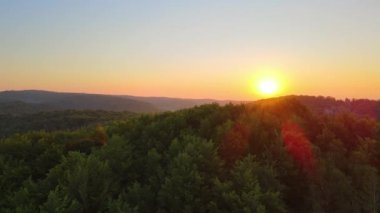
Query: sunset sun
x,y
268,87
269,81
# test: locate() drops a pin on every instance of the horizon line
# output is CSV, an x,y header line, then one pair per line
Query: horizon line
x,y
183,98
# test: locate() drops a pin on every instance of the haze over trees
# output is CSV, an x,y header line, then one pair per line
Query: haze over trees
x,y
33,101
270,156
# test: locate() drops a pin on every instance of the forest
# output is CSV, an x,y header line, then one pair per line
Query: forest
x,y
277,155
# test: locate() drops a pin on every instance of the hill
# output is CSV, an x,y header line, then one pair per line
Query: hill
x,y
19,107
31,101
11,124
172,104
330,105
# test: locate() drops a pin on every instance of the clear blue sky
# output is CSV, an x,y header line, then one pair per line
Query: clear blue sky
x,y
194,48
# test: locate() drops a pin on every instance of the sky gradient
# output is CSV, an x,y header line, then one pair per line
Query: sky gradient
x,y
191,49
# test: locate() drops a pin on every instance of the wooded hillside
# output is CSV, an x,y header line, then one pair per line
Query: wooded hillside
x,y
270,156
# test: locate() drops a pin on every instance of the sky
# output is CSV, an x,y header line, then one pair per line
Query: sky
x,y
191,49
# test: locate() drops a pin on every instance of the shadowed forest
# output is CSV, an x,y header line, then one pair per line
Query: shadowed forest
x,y
277,155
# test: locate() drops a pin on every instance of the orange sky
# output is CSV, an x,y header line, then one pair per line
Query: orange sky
x,y
192,49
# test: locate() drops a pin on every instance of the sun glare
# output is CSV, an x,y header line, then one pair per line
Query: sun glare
x,y
268,87
268,82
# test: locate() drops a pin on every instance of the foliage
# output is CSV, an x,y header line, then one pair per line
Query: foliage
x,y
270,156
11,124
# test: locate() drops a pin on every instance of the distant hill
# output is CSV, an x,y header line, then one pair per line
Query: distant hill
x,y
17,107
58,120
33,101
172,104
330,105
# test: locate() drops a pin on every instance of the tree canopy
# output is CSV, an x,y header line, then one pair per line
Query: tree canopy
x,y
273,156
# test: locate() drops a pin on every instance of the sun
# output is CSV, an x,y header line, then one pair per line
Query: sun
x,y
268,87
269,82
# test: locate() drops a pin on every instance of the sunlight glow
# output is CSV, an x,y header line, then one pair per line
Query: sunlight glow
x,y
268,87
269,82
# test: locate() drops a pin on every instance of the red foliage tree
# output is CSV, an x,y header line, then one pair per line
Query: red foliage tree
x,y
298,146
